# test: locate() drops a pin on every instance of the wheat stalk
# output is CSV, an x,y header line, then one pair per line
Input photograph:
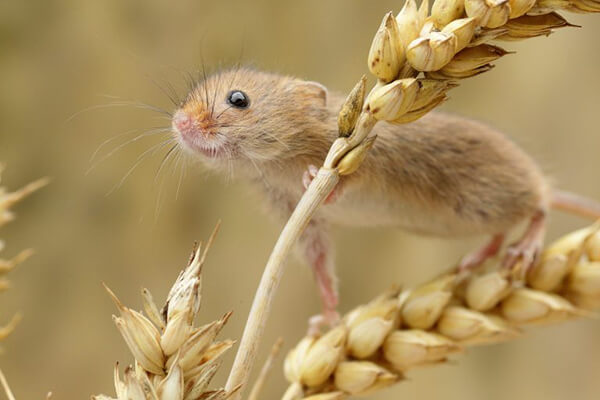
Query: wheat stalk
x,y
255,393
403,329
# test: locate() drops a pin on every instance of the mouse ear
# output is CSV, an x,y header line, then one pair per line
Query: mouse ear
x,y
311,89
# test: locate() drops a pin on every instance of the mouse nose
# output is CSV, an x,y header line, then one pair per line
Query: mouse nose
x,y
182,121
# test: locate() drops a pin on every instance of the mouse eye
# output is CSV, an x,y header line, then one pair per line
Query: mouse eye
x,y
238,99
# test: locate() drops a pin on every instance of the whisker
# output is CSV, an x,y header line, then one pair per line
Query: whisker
x,y
174,91
227,125
230,168
120,103
191,82
188,80
161,185
181,163
144,106
204,78
222,112
277,139
237,69
270,135
171,93
140,158
260,173
150,132
217,86
164,160
109,140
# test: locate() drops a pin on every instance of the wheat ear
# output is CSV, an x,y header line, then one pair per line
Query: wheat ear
x,y
174,358
403,329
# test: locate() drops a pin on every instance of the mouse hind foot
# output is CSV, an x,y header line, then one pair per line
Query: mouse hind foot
x,y
524,253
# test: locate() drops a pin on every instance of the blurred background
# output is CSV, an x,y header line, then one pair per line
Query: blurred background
x,y
61,57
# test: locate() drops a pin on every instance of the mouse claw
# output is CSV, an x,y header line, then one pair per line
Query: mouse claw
x,y
310,174
328,319
523,254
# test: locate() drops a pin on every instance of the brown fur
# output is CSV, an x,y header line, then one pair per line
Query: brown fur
x,y
441,175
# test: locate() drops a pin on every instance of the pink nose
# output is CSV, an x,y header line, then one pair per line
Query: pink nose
x,y
182,121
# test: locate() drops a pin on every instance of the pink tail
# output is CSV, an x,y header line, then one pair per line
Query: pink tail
x,y
575,204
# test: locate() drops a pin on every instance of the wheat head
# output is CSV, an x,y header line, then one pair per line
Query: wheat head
x,y
174,358
418,56
403,329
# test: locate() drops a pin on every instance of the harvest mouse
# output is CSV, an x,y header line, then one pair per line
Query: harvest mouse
x,y
442,175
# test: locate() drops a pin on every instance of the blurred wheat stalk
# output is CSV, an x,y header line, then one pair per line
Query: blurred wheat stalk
x,y
174,359
7,201
404,329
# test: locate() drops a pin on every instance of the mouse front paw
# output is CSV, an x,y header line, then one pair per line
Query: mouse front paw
x,y
310,174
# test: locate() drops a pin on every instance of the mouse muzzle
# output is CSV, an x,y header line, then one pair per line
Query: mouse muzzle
x,y
195,129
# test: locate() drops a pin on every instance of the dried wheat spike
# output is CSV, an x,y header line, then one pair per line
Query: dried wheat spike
x,y
419,56
174,359
402,329
7,200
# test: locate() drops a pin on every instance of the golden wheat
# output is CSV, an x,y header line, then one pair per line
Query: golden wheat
x,y
403,329
419,56
174,359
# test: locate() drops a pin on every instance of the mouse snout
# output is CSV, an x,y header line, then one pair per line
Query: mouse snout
x,y
182,122
193,119
195,130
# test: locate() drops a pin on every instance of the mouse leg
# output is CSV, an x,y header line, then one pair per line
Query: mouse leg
x,y
527,248
310,174
479,256
316,249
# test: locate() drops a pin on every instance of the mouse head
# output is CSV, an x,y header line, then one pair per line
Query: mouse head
x,y
246,115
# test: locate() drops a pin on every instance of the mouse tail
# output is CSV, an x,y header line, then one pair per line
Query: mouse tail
x,y
575,204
